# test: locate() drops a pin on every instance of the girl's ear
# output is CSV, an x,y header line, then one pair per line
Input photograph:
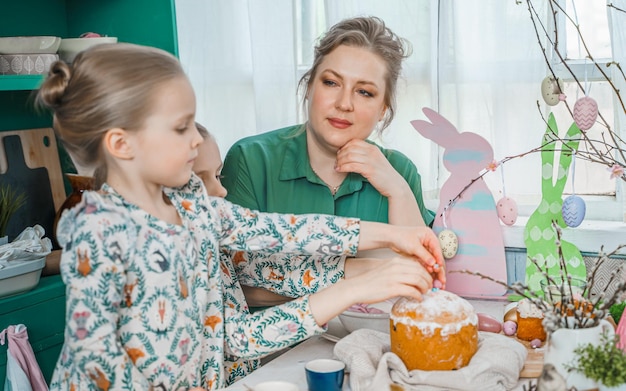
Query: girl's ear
x,y
382,113
117,143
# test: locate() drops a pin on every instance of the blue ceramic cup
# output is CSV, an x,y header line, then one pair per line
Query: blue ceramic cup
x,y
325,374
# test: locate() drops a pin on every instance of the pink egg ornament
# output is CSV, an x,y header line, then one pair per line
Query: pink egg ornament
x,y
573,211
585,112
507,210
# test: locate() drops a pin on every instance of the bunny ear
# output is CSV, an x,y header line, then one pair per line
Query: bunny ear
x,y
439,129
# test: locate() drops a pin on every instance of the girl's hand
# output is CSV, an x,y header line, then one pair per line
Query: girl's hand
x,y
420,243
379,280
385,279
366,159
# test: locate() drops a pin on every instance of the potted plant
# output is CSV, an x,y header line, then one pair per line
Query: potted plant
x,y
604,363
10,202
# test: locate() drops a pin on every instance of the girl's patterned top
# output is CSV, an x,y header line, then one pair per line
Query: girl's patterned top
x,y
286,274
150,304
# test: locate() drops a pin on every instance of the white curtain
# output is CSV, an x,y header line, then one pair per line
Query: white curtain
x,y
242,58
477,62
239,56
490,71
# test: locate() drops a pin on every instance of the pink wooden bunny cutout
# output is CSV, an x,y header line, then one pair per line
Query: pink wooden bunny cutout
x,y
472,217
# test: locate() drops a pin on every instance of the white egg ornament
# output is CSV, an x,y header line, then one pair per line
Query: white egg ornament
x,y
551,89
449,243
585,112
573,210
507,210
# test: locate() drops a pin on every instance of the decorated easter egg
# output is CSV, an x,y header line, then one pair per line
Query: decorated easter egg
x,y
449,243
585,112
573,211
551,89
507,210
509,327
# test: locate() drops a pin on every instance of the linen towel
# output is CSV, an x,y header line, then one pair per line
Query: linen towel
x,y
23,372
495,366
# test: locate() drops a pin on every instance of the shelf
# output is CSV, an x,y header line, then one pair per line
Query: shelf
x,y
20,82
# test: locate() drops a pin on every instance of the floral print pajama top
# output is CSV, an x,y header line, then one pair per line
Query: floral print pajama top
x,y
149,304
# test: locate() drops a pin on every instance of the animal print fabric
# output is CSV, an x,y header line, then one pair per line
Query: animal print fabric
x,y
148,304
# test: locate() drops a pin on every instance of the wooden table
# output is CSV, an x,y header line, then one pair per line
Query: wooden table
x,y
290,365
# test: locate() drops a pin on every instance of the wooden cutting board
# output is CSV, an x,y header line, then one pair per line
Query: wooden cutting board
x,y
29,162
534,361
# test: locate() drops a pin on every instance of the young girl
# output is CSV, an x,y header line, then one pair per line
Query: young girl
x,y
145,291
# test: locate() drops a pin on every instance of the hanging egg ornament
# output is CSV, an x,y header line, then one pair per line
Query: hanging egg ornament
x,y
507,210
449,243
573,211
551,89
585,112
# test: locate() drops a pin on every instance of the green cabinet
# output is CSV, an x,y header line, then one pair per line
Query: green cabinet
x,y
145,22
42,310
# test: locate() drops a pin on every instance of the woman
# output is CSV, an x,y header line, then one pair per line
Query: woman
x,y
326,165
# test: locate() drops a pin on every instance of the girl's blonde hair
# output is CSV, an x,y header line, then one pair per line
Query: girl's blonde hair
x,y
107,86
368,33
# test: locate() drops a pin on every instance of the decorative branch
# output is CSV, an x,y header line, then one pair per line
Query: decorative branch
x,y
617,146
569,308
609,152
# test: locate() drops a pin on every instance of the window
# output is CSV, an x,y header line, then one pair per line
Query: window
x,y
482,74
575,48
477,62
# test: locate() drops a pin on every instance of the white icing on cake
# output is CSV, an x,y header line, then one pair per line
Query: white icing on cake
x,y
527,309
435,306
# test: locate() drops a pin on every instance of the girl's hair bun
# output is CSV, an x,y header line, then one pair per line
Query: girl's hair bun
x,y
53,88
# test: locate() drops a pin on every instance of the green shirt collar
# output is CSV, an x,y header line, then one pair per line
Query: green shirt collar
x,y
296,165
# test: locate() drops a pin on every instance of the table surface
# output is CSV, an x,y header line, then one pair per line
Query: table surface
x,y
290,365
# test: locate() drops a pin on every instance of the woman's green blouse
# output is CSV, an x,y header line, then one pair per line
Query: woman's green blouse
x,y
270,172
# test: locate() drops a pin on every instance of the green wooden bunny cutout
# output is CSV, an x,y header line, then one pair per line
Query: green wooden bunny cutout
x,y
539,235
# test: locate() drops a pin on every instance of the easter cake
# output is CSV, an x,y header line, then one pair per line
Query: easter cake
x,y
529,321
438,333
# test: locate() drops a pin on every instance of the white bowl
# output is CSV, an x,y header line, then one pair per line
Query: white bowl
x,y
29,45
70,47
353,320
360,320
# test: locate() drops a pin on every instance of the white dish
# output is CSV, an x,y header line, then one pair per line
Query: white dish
x,y
20,276
29,45
335,331
26,64
70,47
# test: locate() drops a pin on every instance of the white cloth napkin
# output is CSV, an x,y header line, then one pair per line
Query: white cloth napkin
x,y
30,244
495,366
